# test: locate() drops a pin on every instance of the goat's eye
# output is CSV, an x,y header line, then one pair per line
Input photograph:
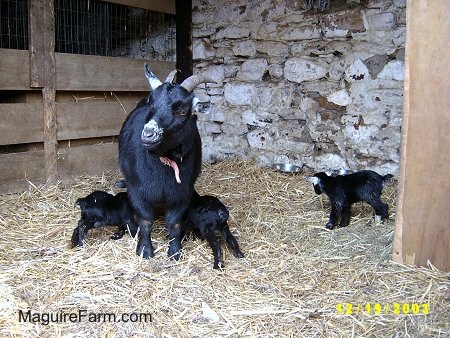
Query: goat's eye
x,y
180,111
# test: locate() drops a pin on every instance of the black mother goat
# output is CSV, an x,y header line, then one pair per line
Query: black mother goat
x,y
207,218
160,156
99,209
344,190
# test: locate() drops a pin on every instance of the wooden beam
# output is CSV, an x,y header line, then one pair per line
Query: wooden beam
x,y
163,6
43,74
422,222
183,22
38,36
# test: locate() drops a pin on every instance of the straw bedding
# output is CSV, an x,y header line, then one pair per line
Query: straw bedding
x,y
293,277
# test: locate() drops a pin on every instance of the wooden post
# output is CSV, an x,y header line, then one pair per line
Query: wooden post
x,y
43,75
183,21
423,213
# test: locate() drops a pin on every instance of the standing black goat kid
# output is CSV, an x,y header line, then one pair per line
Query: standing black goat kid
x,y
160,156
100,209
344,190
207,218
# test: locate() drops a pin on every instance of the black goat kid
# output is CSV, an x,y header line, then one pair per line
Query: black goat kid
x,y
100,209
207,218
160,156
344,190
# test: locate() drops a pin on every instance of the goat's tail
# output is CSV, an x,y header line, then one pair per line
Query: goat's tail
x,y
387,179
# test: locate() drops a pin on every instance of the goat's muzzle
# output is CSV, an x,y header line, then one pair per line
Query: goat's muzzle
x,y
151,135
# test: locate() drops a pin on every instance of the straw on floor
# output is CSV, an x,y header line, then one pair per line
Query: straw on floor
x,y
297,279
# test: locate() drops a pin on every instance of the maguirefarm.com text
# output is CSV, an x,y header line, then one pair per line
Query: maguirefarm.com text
x,y
82,315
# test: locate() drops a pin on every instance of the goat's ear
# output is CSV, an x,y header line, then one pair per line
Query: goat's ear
x,y
317,189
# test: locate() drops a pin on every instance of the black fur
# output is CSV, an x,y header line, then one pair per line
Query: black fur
x,y
100,209
207,218
148,180
344,190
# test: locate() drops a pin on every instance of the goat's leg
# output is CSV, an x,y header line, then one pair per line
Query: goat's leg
x,y
345,218
174,219
214,243
381,209
334,216
144,246
231,241
79,233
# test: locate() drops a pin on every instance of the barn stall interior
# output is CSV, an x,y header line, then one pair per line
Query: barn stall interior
x,y
299,82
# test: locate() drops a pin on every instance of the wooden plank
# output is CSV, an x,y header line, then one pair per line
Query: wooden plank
x,y
423,211
82,72
14,69
163,6
183,22
91,119
87,159
21,123
17,168
91,73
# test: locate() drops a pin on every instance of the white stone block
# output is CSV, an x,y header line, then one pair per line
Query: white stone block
x,y
341,98
299,70
239,94
393,70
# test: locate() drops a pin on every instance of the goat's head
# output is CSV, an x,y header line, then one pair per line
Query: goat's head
x,y
317,181
169,107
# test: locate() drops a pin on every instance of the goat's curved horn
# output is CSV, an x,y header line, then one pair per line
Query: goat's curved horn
x,y
171,76
152,79
193,81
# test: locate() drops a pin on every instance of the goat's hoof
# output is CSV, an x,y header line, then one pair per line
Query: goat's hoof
x,y
219,266
76,244
239,254
329,226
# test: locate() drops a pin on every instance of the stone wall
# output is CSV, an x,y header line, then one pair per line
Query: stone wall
x,y
323,89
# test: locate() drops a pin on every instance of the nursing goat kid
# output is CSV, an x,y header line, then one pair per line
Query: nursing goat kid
x,y
160,157
344,190
207,218
99,209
